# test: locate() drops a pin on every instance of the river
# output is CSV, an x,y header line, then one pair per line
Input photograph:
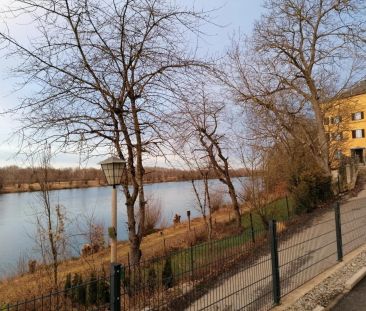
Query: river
x,y
18,215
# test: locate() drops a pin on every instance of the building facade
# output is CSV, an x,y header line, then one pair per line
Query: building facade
x,y
345,125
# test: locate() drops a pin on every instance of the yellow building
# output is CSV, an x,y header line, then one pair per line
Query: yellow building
x,y
345,125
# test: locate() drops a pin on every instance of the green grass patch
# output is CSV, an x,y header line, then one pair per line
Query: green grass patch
x,y
202,255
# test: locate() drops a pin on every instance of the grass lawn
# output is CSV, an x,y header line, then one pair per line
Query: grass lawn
x,y
205,254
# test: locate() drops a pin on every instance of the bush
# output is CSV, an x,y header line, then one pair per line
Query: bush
x,y
81,291
74,284
78,293
68,284
151,280
103,291
153,215
217,199
92,290
167,274
313,187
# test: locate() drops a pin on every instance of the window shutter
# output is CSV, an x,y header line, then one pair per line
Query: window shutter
x,y
353,116
326,121
361,114
327,135
353,134
363,133
340,119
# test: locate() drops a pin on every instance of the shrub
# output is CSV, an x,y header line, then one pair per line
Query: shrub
x,y
74,284
153,215
32,264
103,291
92,290
127,285
96,234
68,284
81,291
167,274
313,187
217,199
151,280
78,293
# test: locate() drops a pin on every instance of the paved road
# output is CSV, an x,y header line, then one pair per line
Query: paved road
x,y
355,300
302,256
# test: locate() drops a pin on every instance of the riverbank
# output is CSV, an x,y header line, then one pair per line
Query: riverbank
x,y
173,238
58,185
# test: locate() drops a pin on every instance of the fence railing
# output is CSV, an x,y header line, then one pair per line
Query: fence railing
x,y
249,271
91,295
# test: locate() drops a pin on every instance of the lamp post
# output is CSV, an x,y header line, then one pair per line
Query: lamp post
x,y
113,170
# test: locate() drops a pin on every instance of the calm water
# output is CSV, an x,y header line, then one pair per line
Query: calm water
x,y
17,215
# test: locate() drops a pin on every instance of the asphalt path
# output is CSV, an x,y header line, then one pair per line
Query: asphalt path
x,y
355,300
302,256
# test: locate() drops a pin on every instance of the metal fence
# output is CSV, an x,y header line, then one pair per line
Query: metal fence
x,y
91,295
250,271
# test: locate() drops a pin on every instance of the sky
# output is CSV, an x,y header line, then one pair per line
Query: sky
x,y
232,16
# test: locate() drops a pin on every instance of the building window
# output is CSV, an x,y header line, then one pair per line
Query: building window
x,y
358,133
357,115
336,120
338,154
337,136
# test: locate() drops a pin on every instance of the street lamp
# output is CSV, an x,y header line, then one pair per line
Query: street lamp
x,y
113,170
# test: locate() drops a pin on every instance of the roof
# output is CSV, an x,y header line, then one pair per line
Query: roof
x,y
358,89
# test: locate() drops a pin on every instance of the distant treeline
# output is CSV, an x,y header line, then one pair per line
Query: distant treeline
x,y
11,175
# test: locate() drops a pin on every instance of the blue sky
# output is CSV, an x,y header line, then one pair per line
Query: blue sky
x,y
232,15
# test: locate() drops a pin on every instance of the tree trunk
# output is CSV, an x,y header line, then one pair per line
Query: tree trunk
x,y
323,153
134,239
235,203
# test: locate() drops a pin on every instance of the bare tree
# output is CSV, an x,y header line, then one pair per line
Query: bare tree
x,y
103,71
199,128
50,222
255,193
204,200
300,58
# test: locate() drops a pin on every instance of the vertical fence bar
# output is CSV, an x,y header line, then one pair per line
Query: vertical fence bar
x,y
115,292
275,264
337,215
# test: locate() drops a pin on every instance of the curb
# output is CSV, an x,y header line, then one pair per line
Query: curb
x,y
351,283
291,298
356,278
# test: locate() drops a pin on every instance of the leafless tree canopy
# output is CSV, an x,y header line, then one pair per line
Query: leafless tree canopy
x,y
200,134
301,55
103,72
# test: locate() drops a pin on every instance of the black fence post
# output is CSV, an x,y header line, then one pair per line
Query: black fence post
x,y
338,228
276,285
115,291
339,184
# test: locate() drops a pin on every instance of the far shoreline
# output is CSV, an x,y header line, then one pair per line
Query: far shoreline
x,y
78,184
